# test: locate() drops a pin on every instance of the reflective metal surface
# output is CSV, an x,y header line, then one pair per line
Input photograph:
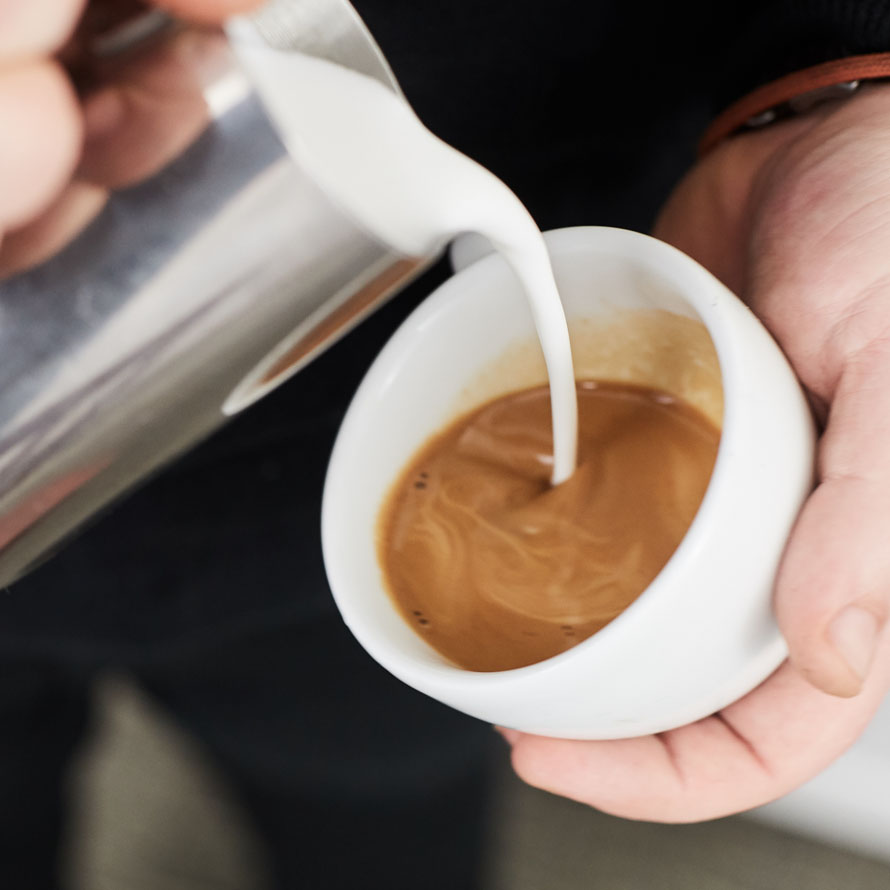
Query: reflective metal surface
x,y
188,297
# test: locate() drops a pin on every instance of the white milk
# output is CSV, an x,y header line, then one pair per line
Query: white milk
x,y
369,151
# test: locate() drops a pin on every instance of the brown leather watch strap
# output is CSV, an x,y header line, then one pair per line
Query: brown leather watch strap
x,y
782,91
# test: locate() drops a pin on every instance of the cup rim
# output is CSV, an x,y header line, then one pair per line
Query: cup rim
x,y
696,286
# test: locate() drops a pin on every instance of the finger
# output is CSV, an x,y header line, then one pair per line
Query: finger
x,y
152,112
41,134
756,750
30,28
208,10
833,588
66,217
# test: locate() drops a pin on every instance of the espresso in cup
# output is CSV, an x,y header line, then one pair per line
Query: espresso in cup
x,y
496,568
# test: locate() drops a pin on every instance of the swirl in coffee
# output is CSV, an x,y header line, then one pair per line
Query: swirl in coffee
x,y
495,567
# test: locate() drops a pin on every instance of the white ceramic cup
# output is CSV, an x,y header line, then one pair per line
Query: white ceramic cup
x,y
702,634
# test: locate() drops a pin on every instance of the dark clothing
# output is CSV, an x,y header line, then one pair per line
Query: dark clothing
x,y
350,778
208,586
781,37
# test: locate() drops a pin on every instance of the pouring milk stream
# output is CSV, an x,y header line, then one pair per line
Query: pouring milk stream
x,y
370,151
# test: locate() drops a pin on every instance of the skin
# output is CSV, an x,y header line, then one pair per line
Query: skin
x,y
796,219
70,150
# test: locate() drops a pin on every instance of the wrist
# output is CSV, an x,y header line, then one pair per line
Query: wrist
x,y
796,94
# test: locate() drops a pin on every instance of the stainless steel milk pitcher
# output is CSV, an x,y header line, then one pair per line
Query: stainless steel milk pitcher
x,y
190,296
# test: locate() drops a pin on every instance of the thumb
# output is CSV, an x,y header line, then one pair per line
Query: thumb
x,y
833,588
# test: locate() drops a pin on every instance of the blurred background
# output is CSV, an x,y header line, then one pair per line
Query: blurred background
x,y
151,812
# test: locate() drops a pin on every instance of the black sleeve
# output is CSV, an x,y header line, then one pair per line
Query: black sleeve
x,y
778,38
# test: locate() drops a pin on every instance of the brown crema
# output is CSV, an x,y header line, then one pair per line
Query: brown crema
x,y
497,569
